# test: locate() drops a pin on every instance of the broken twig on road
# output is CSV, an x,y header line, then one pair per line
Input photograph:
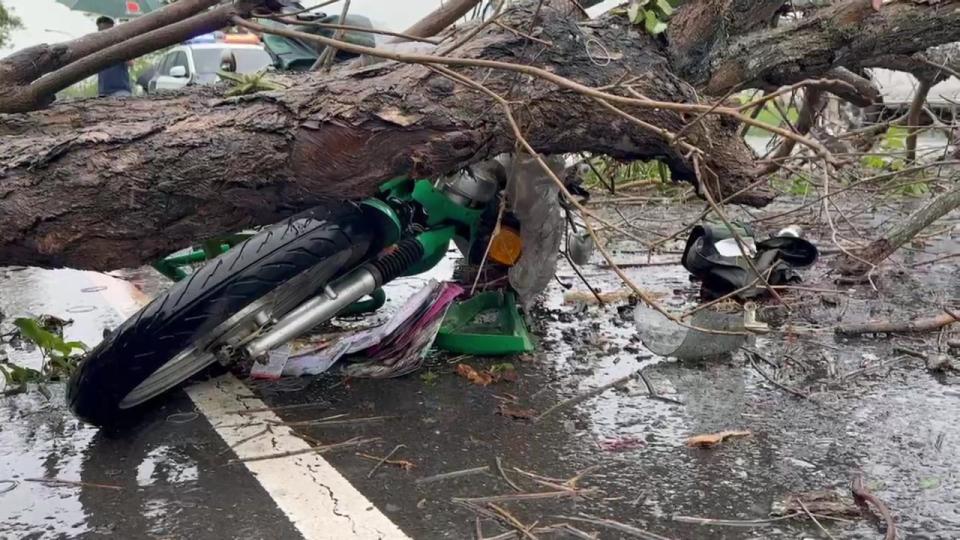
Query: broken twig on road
x,y
454,474
405,465
862,494
617,526
356,441
925,324
535,496
586,395
58,481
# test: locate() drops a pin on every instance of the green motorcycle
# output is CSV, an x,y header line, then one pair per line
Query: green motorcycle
x,y
268,288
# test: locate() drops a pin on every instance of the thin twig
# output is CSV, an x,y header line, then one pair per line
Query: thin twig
x,y
454,474
522,34
470,35
535,496
617,526
734,522
653,393
385,459
356,441
281,408
330,52
785,388
524,530
233,446
349,28
486,252
58,481
330,421
586,395
505,477
807,511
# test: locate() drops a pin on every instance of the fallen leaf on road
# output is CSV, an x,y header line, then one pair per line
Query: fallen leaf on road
x,y
519,414
474,376
713,439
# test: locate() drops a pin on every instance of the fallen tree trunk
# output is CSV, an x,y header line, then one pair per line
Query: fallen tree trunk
x,y
107,183
110,183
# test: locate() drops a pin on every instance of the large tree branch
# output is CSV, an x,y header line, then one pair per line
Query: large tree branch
x,y
849,34
108,183
701,26
27,65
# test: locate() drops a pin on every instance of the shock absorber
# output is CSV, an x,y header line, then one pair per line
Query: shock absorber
x,y
338,295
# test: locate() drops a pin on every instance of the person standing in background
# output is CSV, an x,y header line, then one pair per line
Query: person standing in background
x,y
113,81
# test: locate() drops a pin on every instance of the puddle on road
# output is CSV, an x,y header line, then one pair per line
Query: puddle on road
x,y
171,475
895,425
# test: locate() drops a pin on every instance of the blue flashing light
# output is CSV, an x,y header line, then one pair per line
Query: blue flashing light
x,y
202,38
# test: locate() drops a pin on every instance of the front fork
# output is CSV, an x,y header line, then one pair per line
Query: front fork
x,y
407,257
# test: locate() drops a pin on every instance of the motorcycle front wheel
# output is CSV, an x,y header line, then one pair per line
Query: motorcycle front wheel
x,y
177,334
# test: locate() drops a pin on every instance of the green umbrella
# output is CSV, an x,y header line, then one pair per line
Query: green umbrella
x,y
115,9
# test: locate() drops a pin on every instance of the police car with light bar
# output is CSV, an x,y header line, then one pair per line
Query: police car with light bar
x,y
197,61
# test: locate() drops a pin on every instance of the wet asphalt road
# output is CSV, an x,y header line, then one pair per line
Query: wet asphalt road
x,y
895,425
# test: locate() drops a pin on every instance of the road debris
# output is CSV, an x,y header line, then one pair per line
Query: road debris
x,y
727,259
75,483
824,502
615,525
587,395
863,496
527,496
454,474
516,413
713,439
924,324
403,464
356,441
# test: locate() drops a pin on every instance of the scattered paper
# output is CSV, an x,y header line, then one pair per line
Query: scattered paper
x,y
368,338
273,368
317,362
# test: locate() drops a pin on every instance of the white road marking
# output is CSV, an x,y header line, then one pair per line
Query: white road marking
x,y
317,499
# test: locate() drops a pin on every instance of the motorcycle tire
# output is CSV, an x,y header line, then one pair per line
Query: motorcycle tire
x,y
324,241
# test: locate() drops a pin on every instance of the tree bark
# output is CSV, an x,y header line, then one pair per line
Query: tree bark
x,y
849,33
109,183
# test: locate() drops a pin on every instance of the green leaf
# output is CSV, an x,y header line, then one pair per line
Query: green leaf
x,y
77,345
665,8
896,138
654,25
636,13
32,332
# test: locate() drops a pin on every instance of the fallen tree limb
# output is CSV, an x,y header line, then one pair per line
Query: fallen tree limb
x,y
879,250
927,324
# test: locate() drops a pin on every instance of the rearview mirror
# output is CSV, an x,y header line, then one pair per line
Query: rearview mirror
x,y
178,72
